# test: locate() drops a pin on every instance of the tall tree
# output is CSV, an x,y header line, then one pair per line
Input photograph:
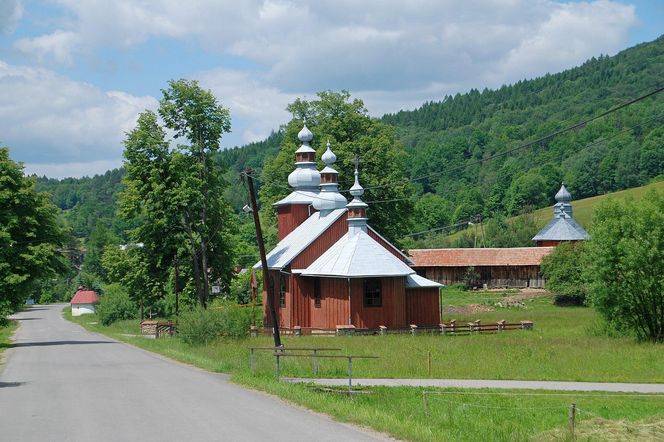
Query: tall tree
x,y
29,235
177,192
345,123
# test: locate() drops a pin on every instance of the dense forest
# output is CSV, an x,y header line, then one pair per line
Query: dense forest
x,y
463,156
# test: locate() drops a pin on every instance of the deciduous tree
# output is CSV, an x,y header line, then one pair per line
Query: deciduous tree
x,y
626,256
29,235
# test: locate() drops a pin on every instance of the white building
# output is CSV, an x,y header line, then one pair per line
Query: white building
x,y
83,302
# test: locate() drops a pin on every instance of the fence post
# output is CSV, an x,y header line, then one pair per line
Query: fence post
x,y
572,418
251,359
315,362
442,328
350,375
429,362
425,403
277,368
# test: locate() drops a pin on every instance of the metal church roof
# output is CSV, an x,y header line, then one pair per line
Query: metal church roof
x,y
299,239
357,255
416,281
563,227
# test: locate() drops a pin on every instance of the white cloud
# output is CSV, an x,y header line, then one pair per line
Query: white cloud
x,y
60,45
10,13
391,53
257,108
46,118
73,169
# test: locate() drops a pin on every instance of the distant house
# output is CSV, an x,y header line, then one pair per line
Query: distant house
x,y
330,268
506,267
83,302
563,227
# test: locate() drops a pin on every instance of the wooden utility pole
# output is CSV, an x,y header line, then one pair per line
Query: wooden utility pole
x,y
261,248
177,298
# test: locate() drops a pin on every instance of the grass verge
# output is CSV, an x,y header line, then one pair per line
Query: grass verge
x,y
6,332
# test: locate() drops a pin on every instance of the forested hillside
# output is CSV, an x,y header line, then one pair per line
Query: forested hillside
x,y
87,203
457,148
450,141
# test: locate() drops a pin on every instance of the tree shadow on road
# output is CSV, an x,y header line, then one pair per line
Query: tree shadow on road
x,y
11,384
50,343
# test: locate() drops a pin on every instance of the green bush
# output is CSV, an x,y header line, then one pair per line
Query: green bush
x,y
565,276
471,278
115,305
200,326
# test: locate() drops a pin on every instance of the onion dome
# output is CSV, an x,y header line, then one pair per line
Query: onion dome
x,y
357,209
563,195
305,176
329,197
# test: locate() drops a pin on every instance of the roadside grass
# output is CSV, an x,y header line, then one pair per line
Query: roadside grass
x,y
6,331
563,346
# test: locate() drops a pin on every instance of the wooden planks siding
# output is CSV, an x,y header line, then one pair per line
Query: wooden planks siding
x,y
423,306
494,276
290,216
392,312
321,244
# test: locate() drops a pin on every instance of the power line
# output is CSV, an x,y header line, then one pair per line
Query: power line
x,y
528,144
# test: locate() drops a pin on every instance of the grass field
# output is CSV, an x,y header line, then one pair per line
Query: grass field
x,y
563,346
583,209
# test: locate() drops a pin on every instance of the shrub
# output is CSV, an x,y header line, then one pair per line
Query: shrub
x,y
200,326
471,278
115,305
241,287
564,273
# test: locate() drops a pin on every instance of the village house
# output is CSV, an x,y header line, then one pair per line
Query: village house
x,y
83,302
330,268
502,267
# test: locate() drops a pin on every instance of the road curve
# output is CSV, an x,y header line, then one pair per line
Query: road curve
x,y
63,383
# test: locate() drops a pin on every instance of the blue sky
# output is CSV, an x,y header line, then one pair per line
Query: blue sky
x,y
74,74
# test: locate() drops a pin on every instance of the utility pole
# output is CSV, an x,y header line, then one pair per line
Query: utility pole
x,y
177,297
261,248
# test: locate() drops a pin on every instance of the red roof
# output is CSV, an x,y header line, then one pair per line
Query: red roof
x,y
85,297
514,256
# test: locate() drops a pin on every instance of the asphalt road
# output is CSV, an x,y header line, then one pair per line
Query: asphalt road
x,y
63,383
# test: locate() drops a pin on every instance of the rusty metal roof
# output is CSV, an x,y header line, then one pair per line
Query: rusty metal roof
x,y
483,257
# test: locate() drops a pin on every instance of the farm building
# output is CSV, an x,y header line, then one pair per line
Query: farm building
x,y
563,226
83,302
504,267
330,268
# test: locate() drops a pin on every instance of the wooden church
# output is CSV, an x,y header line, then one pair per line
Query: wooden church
x,y
330,268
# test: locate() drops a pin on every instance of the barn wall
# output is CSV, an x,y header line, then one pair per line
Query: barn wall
x,y
423,306
290,216
493,276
